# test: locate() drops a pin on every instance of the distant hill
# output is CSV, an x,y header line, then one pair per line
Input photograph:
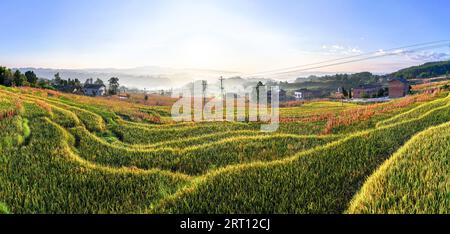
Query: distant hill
x,y
427,70
331,83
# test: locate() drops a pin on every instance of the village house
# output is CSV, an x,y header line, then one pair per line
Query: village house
x,y
124,96
94,90
398,87
69,89
302,94
366,91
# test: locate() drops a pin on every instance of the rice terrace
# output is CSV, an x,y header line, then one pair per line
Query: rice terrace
x,y
63,153
196,115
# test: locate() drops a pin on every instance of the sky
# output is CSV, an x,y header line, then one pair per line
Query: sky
x,y
247,36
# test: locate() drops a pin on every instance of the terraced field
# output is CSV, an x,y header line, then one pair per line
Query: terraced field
x,y
70,154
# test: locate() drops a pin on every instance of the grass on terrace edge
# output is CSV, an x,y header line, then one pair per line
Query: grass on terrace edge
x,y
415,180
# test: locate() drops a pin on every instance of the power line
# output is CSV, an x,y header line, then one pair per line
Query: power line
x,y
349,57
362,59
277,71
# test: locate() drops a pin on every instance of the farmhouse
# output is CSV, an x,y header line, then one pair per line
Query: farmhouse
x,y
366,91
124,96
94,90
302,94
68,89
398,87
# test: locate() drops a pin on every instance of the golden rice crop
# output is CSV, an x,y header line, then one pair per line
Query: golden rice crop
x,y
63,153
414,180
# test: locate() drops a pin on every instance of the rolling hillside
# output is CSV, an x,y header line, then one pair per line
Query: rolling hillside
x,y
426,70
421,165
64,153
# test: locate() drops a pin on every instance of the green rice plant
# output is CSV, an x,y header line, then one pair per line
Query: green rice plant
x,y
32,110
11,132
315,108
73,154
321,180
302,128
153,126
414,180
142,135
372,122
417,111
78,111
47,177
26,128
194,141
194,160
246,149
108,116
64,117
92,121
3,209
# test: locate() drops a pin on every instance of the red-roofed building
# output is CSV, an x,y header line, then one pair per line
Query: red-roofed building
x,y
398,87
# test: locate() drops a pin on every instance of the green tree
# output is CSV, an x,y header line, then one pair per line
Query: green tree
x,y
58,80
380,93
344,92
43,83
113,85
31,78
77,84
99,82
3,74
19,78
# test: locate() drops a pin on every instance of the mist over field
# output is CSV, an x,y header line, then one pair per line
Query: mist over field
x,y
142,78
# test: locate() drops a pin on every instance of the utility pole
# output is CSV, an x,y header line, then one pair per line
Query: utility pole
x,y
257,99
204,86
221,87
257,91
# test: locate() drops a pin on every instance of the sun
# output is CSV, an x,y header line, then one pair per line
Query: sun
x,y
201,52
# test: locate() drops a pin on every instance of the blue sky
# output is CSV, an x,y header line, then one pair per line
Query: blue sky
x,y
236,35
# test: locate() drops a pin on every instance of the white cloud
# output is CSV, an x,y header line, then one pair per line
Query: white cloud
x,y
341,49
356,51
415,55
382,52
428,56
338,47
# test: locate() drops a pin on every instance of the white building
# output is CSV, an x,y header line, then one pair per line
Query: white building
x,y
94,90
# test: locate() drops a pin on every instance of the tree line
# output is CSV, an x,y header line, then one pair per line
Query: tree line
x,y
427,70
16,78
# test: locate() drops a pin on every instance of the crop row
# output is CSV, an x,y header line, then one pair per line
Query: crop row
x,y
46,177
423,108
322,180
141,135
414,180
193,160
